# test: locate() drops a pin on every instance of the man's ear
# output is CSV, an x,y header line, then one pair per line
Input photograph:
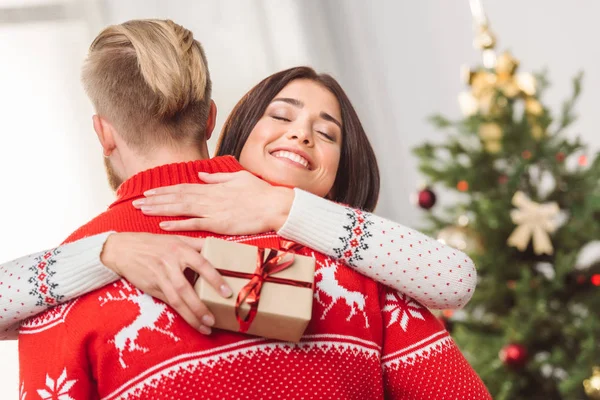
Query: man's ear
x,y
212,119
105,132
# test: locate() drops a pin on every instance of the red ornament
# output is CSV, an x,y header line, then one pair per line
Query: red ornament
x,y
426,198
560,156
582,160
502,179
595,279
513,355
462,186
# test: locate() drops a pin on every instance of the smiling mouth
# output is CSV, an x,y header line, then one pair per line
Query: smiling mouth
x,y
293,157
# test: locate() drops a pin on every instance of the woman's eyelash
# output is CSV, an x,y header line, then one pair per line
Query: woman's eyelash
x,y
329,137
280,118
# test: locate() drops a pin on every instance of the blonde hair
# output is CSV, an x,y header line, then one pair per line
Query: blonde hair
x,y
150,79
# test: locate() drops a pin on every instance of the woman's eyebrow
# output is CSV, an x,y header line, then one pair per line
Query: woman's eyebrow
x,y
294,102
329,118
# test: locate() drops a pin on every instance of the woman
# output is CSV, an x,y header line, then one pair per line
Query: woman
x,y
401,258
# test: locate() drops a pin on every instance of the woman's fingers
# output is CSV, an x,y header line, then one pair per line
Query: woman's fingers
x,y
196,262
169,198
173,209
219,177
194,242
174,300
187,188
190,299
191,224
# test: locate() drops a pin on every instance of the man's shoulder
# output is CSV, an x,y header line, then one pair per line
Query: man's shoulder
x,y
92,227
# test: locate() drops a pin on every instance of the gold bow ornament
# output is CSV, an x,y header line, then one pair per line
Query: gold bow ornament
x,y
534,222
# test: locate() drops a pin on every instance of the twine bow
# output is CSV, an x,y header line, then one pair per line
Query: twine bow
x,y
535,222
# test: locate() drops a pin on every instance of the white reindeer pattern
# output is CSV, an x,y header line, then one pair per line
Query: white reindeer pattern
x,y
149,313
330,286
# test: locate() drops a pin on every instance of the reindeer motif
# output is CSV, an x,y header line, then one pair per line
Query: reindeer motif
x,y
149,313
331,287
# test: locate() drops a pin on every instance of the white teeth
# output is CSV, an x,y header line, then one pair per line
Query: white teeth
x,y
291,156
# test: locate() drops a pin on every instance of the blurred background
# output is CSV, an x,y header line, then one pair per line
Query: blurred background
x,y
399,61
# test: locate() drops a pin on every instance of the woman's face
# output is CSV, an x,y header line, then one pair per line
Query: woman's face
x,y
298,140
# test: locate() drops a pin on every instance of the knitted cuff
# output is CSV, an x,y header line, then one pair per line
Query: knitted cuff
x,y
314,222
80,270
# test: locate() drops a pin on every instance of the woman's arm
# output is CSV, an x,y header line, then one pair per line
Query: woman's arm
x,y
34,283
155,264
404,259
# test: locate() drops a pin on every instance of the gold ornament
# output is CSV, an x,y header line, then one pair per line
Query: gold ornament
x,y
592,385
491,136
468,104
484,39
485,83
533,106
534,223
459,237
527,83
506,65
537,131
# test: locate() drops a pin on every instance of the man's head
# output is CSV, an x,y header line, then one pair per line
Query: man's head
x,y
149,83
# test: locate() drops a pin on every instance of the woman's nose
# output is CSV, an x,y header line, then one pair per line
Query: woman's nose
x,y
301,135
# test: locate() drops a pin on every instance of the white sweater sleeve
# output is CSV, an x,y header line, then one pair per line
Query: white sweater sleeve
x,y
34,283
432,273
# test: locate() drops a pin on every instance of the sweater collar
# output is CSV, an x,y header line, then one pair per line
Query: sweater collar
x,y
172,174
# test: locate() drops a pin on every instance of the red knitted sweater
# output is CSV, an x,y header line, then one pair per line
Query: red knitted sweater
x,y
364,342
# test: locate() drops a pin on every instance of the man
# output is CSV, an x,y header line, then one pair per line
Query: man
x,y
150,85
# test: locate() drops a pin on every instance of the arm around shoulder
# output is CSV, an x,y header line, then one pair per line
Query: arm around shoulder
x,y
399,257
36,282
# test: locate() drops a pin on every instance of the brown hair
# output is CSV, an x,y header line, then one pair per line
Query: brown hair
x,y
357,180
150,79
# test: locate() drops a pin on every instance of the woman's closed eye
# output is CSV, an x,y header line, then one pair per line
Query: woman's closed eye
x,y
280,118
327,136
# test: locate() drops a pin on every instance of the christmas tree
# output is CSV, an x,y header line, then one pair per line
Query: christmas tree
x,y
528,212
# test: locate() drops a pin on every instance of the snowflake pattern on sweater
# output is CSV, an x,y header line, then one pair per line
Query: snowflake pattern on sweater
x,y
42,272
355,241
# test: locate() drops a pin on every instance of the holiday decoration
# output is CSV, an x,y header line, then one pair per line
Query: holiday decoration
x,y
588,256
426,198
491,136
460,238
513,355
463,186
535,221
529,187
592,385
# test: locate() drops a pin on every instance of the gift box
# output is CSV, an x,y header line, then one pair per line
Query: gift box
x,y
273,290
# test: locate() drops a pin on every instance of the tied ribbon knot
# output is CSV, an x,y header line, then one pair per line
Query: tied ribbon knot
x,y
265,268
534,222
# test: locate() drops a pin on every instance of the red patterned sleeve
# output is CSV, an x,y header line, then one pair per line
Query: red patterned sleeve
x,y
420,360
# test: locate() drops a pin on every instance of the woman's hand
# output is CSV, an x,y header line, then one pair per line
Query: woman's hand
x,y
236,203
156,264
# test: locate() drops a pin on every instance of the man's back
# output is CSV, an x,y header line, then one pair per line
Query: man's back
x,y
120,343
